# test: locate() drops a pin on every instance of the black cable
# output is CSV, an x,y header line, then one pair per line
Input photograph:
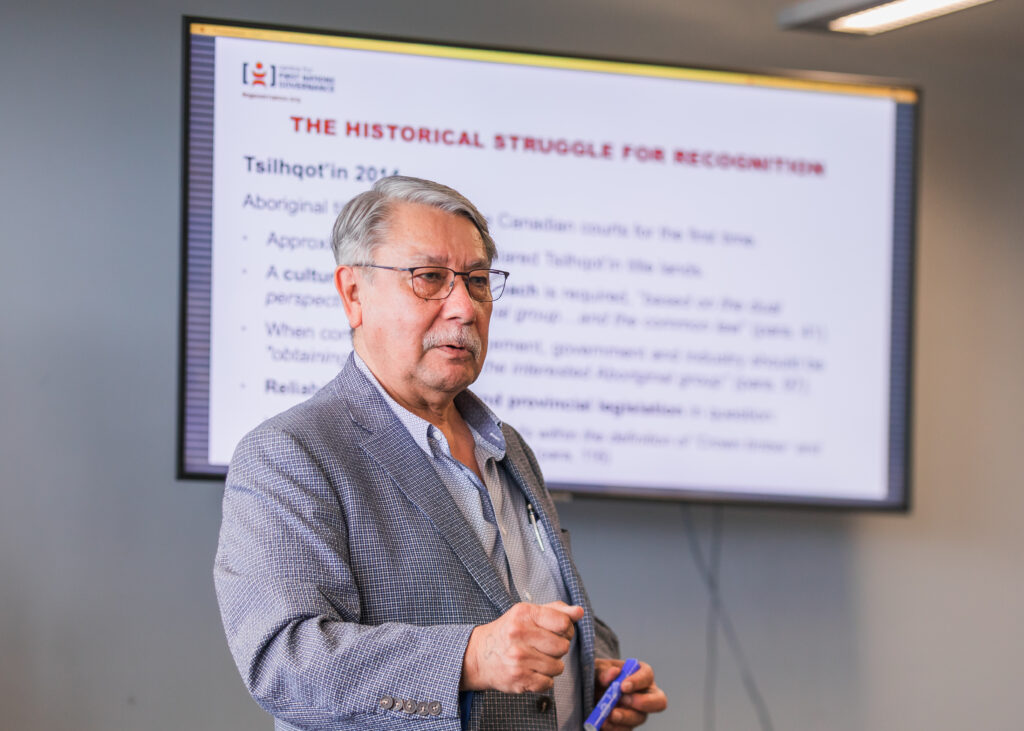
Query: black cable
x,y
711,631
725,622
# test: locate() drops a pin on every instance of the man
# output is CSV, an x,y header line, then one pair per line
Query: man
x,y
389,556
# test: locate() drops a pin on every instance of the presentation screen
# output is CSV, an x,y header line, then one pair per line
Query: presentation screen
x,y
711,271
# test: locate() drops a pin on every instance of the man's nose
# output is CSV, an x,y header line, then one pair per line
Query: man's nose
x,y
459,302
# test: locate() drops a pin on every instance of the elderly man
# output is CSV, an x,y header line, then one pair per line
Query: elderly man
x,y
389,556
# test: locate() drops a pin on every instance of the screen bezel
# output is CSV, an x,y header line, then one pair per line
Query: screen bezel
x,y
899,497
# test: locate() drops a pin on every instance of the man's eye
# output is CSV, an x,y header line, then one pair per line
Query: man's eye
x,y
479,281
430,277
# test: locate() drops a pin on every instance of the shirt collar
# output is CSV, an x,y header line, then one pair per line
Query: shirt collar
x,y
483,423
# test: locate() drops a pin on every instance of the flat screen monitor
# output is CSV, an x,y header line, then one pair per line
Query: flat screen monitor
x,y
711,270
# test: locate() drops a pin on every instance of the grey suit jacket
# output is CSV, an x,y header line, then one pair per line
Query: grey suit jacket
x,y
349,581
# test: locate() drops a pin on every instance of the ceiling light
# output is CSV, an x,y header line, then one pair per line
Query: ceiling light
x,y
866,18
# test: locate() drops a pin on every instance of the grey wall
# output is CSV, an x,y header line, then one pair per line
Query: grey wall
x,y
107,614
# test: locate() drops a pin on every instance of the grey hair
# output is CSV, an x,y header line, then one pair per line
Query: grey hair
x,y
360,227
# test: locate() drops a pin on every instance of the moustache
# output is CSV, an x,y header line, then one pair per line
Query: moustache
x,y
466,338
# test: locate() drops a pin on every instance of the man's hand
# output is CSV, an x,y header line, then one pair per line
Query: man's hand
x,y
640,695
521,650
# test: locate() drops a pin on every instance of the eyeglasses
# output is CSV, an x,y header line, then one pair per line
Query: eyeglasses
x,y
436,283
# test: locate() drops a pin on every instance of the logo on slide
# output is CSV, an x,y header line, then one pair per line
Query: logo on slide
x,y
286,77
258,74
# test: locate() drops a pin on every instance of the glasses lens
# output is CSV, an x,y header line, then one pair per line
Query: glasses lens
x,y
435,283
478,282
432,282
486,284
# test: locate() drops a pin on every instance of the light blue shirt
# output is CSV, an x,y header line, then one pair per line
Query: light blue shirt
x,y
497,511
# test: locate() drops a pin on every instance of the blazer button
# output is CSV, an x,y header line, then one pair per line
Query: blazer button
x,y
386,702
543,704
434,708
410,707
421,708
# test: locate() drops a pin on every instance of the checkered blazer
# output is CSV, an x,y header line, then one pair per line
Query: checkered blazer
x,y
349,581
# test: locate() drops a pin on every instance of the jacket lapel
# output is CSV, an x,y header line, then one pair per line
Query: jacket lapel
x,y
391,445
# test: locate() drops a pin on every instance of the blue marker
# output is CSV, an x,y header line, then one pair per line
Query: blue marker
x,y
611,697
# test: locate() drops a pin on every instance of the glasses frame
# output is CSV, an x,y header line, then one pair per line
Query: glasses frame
x,y
451,287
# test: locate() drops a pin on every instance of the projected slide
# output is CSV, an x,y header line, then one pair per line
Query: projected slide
x,y
709,289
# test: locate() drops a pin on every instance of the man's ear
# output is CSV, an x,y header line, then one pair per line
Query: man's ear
x,y
348,284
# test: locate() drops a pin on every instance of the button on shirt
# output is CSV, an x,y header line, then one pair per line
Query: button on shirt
x,y
497,511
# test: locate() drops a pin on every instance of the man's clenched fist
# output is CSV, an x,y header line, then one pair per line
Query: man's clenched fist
x,y
521,650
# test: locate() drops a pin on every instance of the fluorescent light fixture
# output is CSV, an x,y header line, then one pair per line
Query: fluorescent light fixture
x,y
866,18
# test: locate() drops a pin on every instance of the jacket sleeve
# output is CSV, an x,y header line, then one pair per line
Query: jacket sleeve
x,y
291,607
